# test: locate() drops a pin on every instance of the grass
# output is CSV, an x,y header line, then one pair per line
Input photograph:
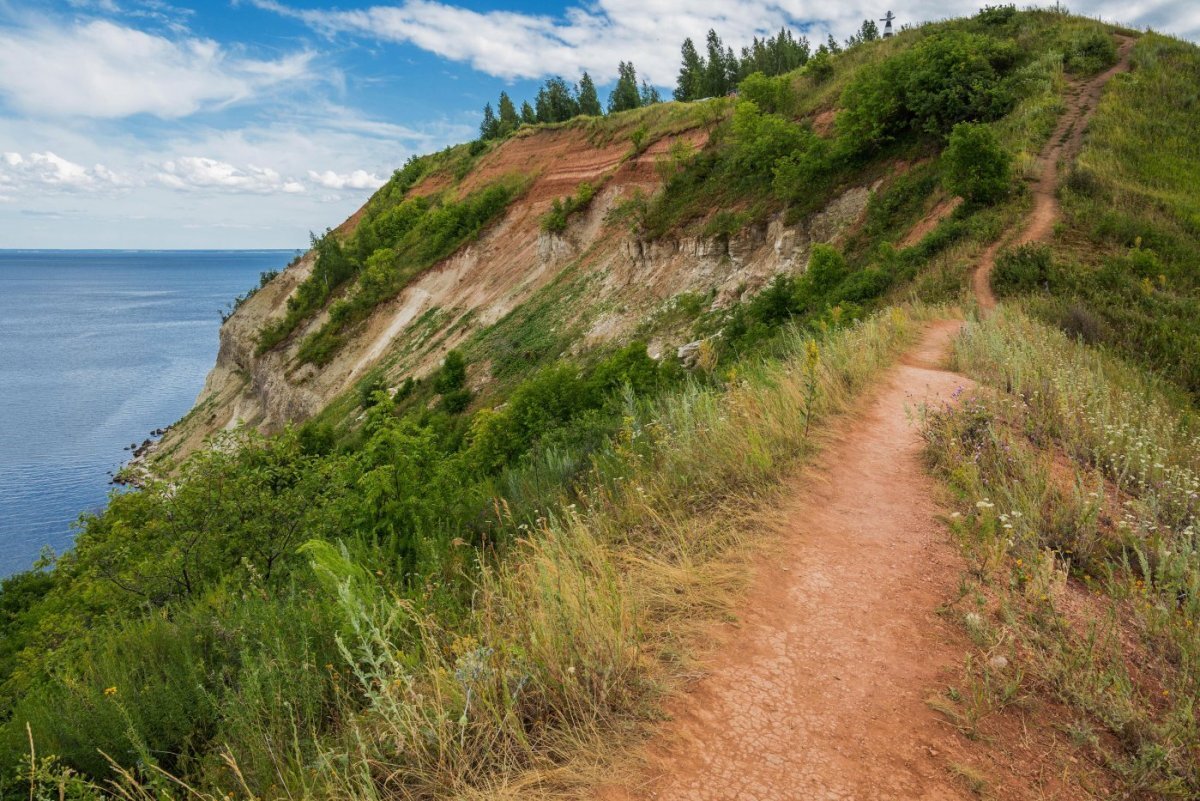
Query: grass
x,y
1122,271
1079,478
572,639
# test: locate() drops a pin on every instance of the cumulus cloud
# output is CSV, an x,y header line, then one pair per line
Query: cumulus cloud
x,y
358,179
48,169
101,69
594,36
199,172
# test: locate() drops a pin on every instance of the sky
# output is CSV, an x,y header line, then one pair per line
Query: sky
x,y
250,123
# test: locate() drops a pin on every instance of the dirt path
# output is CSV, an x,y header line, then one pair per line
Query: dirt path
x,y
820,692
1064,146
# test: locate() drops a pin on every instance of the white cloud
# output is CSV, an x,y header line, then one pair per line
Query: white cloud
x,y
358,179
199,172
101,69
48,169
595,36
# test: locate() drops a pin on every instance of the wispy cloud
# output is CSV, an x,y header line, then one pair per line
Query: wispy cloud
x,y
101,69
50,169
358,179
595,36
199,172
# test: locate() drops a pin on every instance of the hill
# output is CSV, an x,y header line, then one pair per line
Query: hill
x,y
523,432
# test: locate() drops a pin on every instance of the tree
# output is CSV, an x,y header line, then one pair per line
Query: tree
x,y
555,102
625,94
509,120
453,374
716,75
490,127
528,115
869,32
691,74
975,165
648,95
589,101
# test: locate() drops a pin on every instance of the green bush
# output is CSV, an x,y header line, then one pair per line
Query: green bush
x,y
997,15
826,269
1022,269
556,219
946,79
1089,51
975,165
771,95
452,375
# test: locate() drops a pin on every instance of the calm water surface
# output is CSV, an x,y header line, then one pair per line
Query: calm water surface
x,y
98,348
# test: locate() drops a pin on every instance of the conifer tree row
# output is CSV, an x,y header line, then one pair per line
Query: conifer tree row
x,y
558,101
715,73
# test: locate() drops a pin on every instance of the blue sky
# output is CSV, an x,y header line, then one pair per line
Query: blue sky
x,y
175,124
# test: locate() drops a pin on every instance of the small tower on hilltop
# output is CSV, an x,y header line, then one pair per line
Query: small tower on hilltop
x,y
887,24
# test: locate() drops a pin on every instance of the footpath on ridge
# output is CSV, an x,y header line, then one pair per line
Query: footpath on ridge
x,y
820,691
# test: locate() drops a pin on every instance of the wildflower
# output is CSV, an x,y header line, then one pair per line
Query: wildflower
x,y
110,690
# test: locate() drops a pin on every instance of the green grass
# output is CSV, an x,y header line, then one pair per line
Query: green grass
x,y
1078,477
1122,271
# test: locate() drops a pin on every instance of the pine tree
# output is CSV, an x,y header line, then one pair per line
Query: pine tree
x,y
625,94
528,115
589,101
490,127
648,95
509,121
560,104
691,74
716,76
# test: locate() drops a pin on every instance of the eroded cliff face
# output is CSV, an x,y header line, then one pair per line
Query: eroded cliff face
x,y
628,279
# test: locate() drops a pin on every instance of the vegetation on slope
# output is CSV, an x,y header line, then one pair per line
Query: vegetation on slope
x,y
1123,272
1077,466
443,597
1080,482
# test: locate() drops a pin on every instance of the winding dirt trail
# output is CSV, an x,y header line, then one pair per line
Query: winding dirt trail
x,y
820,691
1064,145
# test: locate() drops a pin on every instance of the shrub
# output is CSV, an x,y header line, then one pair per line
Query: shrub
x,y
826,269
820,66
1090,51
1022,269
946,79
975,165
1080,322
555,220
455,401
772,95
997,15
760,140
453,373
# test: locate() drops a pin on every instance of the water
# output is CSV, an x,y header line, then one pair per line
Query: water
x,y
98,348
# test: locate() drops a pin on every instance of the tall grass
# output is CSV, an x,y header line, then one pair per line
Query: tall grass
x,y
1078,465
571,638
574,637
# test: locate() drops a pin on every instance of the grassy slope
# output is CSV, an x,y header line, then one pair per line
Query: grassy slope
x,y
480,670
1077,471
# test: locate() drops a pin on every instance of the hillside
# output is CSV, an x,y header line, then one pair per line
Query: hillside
x,y
838,438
